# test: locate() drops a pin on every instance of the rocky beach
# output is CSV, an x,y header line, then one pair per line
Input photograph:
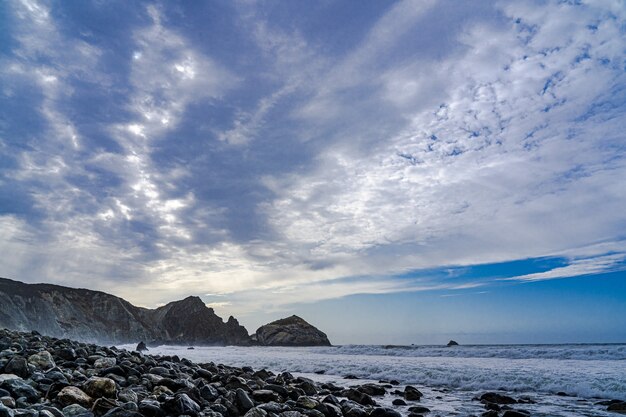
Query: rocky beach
x,y
43,376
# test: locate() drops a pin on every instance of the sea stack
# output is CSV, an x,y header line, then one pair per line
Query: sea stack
x,y
291,331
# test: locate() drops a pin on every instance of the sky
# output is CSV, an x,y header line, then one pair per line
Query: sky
x,y
392,171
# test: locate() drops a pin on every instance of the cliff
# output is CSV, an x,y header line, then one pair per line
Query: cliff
x,y
100,317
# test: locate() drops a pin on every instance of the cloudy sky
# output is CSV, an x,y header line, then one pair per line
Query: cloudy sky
x,y
393,171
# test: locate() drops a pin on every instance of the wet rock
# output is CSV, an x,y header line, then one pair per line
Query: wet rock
x,y
306,402
103,405
619,407
256,412
151,408
141,347
372,389
265,395
490,413
243,400
181,404
74,395
291,331
76,410
494,397
18,365
411,393
358,396
6,412
516,413
42,360
98,387
122,412
398,402
7,401
18,388
105,362
384,412
452,343
419,409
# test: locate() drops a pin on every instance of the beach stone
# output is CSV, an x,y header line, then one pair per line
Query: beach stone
x,y
122,412
384,412
75,410
306,402
151,408
419,409
181,404
256,412
105,362
372,389
128,395
398,402
74,395
6,412
67,354
411,393
490,413
358,396
98,387
18,388
42,360
291,414
18,365
209,393
494,397
618,407
7,401
243,400
516,413
103,405
265,395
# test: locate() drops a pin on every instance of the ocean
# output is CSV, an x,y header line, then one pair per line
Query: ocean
x,y
563,380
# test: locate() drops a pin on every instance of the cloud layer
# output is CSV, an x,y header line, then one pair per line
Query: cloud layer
x,y
275,156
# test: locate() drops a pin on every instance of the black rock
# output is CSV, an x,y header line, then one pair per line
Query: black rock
x,y
243,400
151,408
141,347
618,406
372,389
411,393
384,412
452,343
18,388
419,409
398,402
18,366
182,404
494,397
359,397
516,413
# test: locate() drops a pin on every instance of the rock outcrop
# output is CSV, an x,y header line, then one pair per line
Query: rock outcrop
x,y
452,343
100,317
291,331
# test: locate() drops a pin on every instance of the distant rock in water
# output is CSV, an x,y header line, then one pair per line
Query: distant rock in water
x,y
96,316
141,347
452,343
291,331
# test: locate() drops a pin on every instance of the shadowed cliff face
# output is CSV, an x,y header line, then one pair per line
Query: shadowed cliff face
x,y
96,316
291,331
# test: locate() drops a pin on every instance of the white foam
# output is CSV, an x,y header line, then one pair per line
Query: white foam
x,y
508,368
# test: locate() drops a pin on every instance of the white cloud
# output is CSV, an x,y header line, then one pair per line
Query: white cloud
x,y
578,267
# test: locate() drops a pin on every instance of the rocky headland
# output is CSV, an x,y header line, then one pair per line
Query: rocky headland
x,y
291,331
95,316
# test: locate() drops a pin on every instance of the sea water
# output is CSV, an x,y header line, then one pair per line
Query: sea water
x,y
563,380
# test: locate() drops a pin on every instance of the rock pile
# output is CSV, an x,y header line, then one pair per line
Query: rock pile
x,y
47,377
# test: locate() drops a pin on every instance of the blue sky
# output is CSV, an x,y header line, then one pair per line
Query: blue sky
x,y
419,169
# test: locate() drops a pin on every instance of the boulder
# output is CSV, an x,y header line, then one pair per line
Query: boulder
x,y
291,331
452,343
74,395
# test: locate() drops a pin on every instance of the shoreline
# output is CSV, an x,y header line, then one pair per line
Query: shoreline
x,y
49,377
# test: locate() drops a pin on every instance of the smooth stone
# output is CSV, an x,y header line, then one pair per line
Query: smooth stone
x,y
384,412
265,395
75,410
18,388
398,402
181,404
74,395
121,412
372,389
42,360
411,393
619,407
306,402
7,401
18,366
494,397
256,412
105,362
290,414
243,400
419,409
151,408
6,412
97,387
359,397
516,413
